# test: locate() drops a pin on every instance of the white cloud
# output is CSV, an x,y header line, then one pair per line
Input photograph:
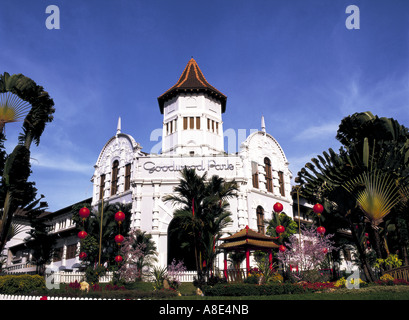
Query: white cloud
x,y
60,162
326,130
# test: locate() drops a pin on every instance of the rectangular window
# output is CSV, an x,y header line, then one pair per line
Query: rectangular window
x,y
269,179
58,254
260,220
101,186
281,183
167,128
254,174
71,251
184,123
171,127
197,123
217,127
191,123
114,180
127,176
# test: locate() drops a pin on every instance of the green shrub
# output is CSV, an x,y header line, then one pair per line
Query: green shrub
x,y
21,284
245,289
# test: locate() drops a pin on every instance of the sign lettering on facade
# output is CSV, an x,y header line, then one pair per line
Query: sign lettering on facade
x,y
151,166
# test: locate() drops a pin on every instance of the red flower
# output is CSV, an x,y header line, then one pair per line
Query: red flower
x,y
43,298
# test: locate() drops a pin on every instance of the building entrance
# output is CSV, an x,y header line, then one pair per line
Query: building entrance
x,y
180,247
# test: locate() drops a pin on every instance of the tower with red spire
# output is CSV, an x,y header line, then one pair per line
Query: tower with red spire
x,y
192,115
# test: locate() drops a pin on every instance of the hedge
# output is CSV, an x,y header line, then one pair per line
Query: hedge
x,y
21,284
243,289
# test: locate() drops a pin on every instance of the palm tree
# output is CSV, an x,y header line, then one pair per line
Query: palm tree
x,y
19,94
362,182
202,213
110,228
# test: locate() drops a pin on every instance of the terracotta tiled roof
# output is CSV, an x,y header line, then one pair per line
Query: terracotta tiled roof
x,y
254,244
192,80
248,233
248,238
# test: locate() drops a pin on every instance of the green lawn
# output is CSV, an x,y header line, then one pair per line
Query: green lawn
x,y
370,293
373,292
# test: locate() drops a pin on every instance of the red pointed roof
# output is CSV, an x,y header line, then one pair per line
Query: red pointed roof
x,y
192,80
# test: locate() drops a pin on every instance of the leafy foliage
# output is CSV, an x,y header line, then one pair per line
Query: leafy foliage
x,y
110,228
15,190
201,213
139,251
364,185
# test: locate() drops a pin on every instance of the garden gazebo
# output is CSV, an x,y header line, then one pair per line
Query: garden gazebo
x,y
247,240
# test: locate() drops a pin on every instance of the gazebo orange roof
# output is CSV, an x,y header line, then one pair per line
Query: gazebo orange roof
x,y
192,80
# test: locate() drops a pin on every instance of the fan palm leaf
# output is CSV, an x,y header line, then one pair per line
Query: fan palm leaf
x,y
12,108
376,194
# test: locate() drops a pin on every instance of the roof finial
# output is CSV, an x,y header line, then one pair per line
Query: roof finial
x,y
118,128
263,124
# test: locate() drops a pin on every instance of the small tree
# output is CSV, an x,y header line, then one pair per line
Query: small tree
x,y
309,253
139,252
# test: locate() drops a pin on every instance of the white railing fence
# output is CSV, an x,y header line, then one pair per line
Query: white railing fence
x,y
68,277
21,297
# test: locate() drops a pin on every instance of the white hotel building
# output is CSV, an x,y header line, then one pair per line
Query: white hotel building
x,y
193,136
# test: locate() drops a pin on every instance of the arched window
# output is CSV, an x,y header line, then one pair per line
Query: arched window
x,y
114,178
269,179
260,219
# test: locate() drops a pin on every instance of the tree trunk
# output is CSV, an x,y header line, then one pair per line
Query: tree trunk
x,y
365,265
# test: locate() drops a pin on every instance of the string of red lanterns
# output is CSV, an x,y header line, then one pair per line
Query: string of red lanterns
x,y
318,209
278,207
119,217
84,214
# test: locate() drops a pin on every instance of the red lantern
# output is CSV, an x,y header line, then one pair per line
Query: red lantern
x,y
280,229
84,213
82,234
278,207
318,208
119,216
118,258
83,255
119,238
282,248
321,230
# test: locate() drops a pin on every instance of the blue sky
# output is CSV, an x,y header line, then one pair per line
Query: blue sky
x,y
294,62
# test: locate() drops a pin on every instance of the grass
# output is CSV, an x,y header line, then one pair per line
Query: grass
x,y
373,292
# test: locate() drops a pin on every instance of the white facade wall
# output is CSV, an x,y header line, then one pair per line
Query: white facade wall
x,y
154,176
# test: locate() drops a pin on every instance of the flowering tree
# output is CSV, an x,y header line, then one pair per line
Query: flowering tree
x,y
310,252
174,271
138,251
